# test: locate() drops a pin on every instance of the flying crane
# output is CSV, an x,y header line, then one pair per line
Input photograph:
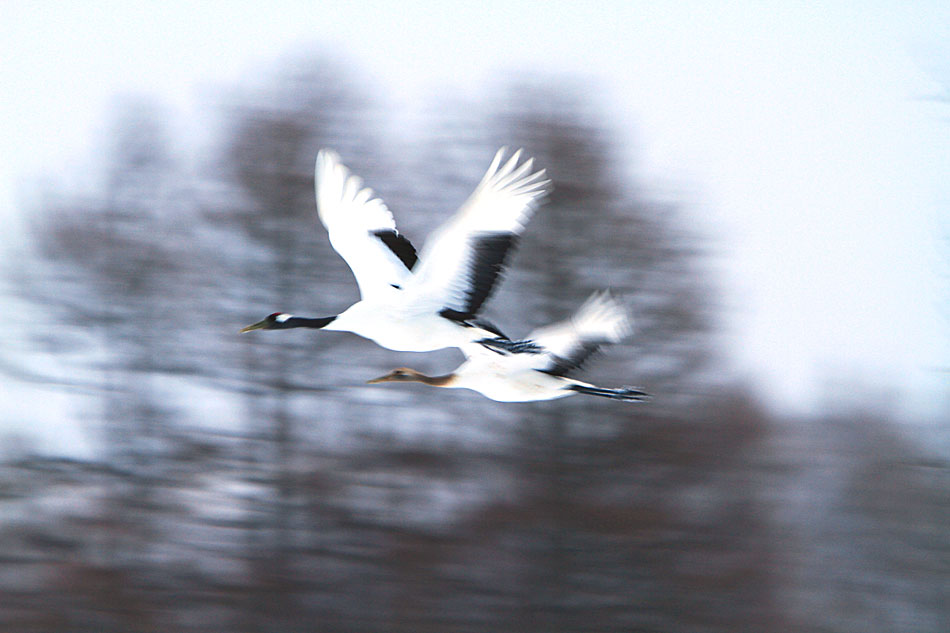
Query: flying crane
x,y
429,301
539,371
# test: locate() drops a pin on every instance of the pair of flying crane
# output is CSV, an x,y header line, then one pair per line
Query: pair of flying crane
x,y
431,300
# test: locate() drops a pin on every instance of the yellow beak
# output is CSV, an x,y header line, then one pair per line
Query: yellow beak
x,y
254,326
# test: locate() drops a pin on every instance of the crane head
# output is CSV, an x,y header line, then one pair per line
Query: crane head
x,y
270,322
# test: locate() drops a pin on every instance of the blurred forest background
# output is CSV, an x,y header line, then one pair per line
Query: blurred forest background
x,y
254,483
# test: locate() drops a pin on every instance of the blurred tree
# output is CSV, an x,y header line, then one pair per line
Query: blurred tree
x,y
593,233
105,270
270,142
602,230
334,507
106,267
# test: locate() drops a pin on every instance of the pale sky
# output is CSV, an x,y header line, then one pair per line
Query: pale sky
x,y
811,141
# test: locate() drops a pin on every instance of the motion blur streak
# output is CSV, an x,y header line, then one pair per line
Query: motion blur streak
x,y
255,484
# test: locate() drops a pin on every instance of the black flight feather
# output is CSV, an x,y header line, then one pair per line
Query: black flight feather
x,y
489,253
399,245
471,321
574,359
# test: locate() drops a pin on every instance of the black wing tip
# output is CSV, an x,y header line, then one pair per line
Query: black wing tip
x,y
507,346
575,359
490,254
400,246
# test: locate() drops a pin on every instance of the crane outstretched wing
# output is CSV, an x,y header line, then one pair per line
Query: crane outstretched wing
x,y
600,320
462,259
361,228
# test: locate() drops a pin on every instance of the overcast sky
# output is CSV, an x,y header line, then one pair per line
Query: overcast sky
x,y
815,141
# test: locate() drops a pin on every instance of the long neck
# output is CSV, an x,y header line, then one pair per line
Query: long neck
x,y
446,380
317,323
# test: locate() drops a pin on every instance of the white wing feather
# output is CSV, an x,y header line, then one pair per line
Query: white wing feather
x,y
351,214
502,203
601,319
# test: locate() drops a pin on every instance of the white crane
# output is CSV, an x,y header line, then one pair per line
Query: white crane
x,y
429,302
539,372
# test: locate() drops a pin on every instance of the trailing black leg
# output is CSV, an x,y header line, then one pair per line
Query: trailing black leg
x,y
627,394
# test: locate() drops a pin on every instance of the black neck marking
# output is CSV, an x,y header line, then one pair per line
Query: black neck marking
x,y
317,323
